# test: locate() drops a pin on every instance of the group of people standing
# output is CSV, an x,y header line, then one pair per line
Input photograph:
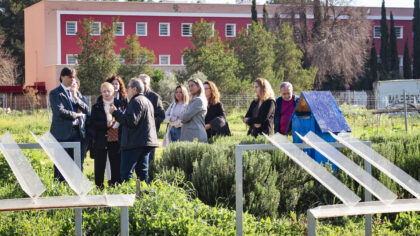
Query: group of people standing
x,y
123,124
198,116
266,115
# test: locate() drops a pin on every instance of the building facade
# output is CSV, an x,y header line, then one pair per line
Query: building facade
x,y
51,27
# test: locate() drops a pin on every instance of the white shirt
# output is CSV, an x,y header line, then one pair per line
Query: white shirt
x,y
174,113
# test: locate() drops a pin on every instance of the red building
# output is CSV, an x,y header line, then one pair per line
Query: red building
x,y
165,28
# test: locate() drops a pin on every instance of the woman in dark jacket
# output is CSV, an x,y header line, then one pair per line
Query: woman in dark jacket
x,y
260,115
216,122
105,136
120,93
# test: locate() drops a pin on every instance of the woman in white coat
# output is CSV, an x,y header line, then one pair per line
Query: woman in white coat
x,y
193,118
174,114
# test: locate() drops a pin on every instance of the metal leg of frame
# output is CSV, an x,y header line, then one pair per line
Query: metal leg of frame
x,y
311,224
368,198
124,221
78,215
239,191
78,211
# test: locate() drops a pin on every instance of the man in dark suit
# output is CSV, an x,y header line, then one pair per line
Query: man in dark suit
x,y
67,108
159,112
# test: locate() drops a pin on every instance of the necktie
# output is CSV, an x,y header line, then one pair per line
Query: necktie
x,y
70,100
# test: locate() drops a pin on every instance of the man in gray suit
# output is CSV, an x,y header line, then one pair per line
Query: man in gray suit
x,y
67,109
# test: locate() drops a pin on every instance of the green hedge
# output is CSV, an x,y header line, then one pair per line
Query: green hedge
x,y
273,184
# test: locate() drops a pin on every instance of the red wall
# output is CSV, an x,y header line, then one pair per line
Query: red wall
x,y
407,34
173,44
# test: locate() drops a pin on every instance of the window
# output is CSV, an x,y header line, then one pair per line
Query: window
x,y
182,60
247,28
212,29
141,29
376,32
186,29
119,28
356,33
399,32
96,28
164,59
71,28
164,29
230,30
297,33
71,59
400,59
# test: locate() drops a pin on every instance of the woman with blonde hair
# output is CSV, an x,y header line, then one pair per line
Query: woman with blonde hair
x,y
174,113
216,122
193,117
260,115
105,136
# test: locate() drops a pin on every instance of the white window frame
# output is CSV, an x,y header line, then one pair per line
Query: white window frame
x,y
401,32
401,61
123,28
145,28
182,30
212,29
75,58
160,60
100,28
374,35
169,29
234,30
247,27
182,60
75,27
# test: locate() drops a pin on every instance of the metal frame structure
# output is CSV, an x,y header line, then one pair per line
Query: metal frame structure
x,y
239,181
76,202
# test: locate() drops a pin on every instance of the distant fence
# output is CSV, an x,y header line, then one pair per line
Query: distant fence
x,y
364,99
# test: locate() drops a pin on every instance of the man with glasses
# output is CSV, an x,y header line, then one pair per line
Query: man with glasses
x,y
138,132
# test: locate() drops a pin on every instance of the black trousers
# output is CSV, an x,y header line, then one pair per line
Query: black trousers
x,y
114,154
74,137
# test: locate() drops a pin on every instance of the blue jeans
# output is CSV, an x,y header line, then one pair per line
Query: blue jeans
x,y
175,133
133,157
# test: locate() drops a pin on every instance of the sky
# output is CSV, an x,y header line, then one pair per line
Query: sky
x,y
366,3
389,3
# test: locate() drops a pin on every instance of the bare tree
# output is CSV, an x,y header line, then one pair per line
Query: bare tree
x,y
8,66
341,52
342,48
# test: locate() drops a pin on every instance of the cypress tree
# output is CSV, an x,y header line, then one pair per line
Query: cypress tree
x,y
254,11
416,40
394,62
407,62
317,24
265,18
384,42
